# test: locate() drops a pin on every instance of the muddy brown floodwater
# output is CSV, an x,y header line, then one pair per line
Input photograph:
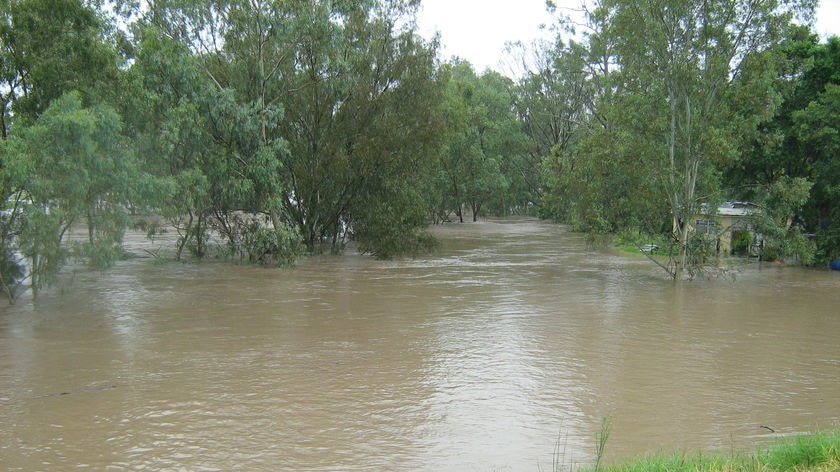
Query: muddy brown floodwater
x,y
513,339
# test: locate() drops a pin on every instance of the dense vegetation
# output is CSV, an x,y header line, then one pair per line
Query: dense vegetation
x,y
283,127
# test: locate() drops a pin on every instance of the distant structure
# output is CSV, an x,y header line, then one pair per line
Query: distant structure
x,y
731,225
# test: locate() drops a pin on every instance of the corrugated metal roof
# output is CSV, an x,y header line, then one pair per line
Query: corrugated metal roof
x,y
734,209
737,209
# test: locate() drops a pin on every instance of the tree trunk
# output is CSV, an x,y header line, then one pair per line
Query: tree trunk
x,y
91,230
184,238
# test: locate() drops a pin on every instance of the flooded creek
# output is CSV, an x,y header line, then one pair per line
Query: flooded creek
x,y
513,338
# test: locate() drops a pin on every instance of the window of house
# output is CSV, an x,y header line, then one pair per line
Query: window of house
x,y
706,226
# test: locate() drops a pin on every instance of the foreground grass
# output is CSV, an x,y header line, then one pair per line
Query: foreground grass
x,y
818,452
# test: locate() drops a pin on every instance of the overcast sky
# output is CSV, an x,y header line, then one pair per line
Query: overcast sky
x,y
477,30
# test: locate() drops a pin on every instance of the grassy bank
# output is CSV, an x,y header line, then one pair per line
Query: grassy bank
x,y
818,452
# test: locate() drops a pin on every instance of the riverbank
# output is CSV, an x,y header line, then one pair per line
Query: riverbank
x,y
817,452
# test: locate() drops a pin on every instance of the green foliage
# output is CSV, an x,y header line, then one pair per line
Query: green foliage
x,y
393,226
303,110
783,235
633,239
51,47
799,143
40,241
817,125
13,174
553,103
741,243
82,168
701,251
193,235
817,452
100,254
484,165
12,272
71,165
250,238
673,97
269,246
602,186
828,241
602,437
802,452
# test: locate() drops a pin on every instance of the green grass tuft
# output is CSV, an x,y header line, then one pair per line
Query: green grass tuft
x,y
818,452
803,452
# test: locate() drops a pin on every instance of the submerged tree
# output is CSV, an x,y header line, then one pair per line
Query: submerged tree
x,y
321,112
362,125
206,114
80,170
818,128
59,67
594,178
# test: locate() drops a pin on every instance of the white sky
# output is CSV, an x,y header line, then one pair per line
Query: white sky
x,y
477,30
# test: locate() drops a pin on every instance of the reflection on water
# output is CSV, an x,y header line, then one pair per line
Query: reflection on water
x,y
515,337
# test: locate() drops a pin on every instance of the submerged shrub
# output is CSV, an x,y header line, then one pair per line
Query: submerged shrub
x,y
268,246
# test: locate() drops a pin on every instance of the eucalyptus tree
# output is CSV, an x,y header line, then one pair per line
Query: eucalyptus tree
x,y
574,107
505,146
206,77
485,160
166,109
806,134
798,143
817,126
60,66
79,168
362,123
469,175
50,47
698,78
553,101
323,113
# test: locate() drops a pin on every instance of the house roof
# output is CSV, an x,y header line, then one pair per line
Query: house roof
x,y
732,209
737,209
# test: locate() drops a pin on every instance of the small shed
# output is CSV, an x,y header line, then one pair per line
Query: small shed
x,y
731,225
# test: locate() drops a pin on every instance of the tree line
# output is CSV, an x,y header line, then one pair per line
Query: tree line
x,y
674,106
282,127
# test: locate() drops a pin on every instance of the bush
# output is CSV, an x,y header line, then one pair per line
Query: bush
x,y
741,243
268,246
100,254
250,237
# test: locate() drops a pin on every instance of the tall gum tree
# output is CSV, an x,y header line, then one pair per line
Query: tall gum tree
x,y
593,178
80,169
799,143
462,161
59,63
484,145
699,66
554,102
213,70
362,122
167,114
326,109
50,48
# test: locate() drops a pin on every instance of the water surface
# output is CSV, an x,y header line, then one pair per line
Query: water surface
x,y
513,339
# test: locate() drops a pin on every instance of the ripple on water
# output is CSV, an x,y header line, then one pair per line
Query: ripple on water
x,y
513,339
